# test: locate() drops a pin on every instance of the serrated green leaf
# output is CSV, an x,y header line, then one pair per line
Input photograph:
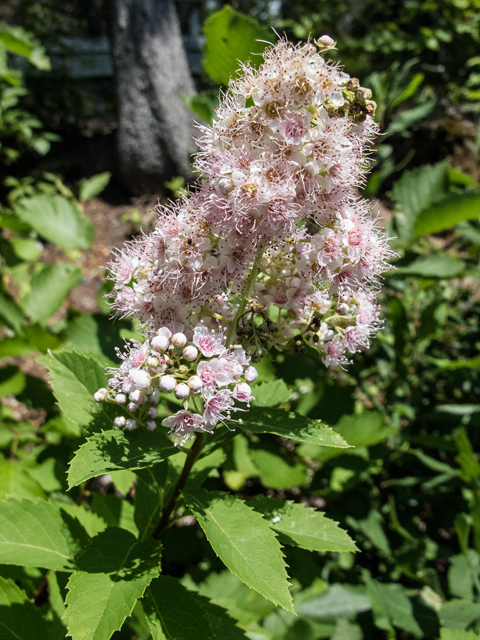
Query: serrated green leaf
x,y
75,377
302,527
231,38
91,187
171,601
446,214
270,394
222,625
291,425
58,220
175,613
16,482
19,619
114,450
113,572
35,534
49,288
243,541
91,522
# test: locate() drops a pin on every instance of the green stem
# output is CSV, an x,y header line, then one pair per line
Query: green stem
x,y
243,303
192,455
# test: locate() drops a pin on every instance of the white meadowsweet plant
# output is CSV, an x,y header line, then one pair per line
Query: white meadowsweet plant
x,y
272,251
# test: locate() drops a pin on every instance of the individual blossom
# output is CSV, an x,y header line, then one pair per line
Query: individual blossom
x,y
183,425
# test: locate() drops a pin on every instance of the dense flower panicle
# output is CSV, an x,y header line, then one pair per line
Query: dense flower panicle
x,y
282,165
210,383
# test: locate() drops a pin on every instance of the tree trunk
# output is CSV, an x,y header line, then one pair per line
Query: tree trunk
x,y
151,73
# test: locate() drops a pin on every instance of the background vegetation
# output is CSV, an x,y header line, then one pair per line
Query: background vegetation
x,y
409,492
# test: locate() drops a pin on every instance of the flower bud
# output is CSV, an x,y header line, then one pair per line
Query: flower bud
x,y
132,406
370,107
363,94
100,395
182,391
152,412
190,353
179,340
151,426
164,331
167,383
139,379
159,343
250,374
225,185
326,42
242,392
353,84
195,383
119,422
120,398
136,396
131,425
153,362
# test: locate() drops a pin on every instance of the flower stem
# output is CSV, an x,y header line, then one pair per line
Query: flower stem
x,y
243,303
192,455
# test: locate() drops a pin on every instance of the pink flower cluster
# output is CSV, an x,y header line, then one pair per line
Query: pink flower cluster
x,y
202,372
282,165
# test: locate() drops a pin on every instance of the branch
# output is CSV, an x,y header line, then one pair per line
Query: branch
x,y
192,455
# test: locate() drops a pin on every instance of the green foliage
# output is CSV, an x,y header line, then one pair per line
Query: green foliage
x,y
91,187
291,425
174,612
20,620
18,129
231,38
112,573
118,450
385,450
303,527
38,534
244,542
57,220
48,289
